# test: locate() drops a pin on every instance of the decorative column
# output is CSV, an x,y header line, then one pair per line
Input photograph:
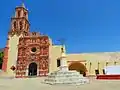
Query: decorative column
x,y
90,68
98,65
38,70
63,66
26,71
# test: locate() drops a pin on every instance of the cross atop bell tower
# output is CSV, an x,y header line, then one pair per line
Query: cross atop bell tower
x,y
20,23
23,3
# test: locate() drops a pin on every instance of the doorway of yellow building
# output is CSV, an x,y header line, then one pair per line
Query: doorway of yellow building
x,y
78,67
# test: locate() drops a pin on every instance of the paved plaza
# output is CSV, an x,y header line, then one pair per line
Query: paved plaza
x,y
35,84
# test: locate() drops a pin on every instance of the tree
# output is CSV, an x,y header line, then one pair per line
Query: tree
x,y
1,59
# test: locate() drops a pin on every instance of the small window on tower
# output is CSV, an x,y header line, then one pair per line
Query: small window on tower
x,y
15,25
58,62
27,27
18,13
25,14
21,26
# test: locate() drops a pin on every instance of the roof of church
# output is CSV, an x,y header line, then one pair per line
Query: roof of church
x,y
34,34
22,6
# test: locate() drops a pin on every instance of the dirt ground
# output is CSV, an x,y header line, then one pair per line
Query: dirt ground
x,y
35,84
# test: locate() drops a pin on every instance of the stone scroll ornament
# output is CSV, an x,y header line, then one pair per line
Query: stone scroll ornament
x,y
44,40
43,64
45,51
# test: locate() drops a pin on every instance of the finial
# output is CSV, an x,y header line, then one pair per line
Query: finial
x,y
62,41
23,5
62,50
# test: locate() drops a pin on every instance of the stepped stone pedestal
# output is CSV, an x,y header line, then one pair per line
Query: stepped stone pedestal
x,y
64,76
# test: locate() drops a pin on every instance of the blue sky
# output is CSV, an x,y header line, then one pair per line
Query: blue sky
x,y
86,25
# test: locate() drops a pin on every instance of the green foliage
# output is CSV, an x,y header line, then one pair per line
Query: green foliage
x,y
1,57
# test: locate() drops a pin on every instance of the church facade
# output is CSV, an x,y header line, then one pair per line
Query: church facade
x,y
27,53
32,54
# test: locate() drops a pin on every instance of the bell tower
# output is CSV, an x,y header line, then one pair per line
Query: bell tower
x,y
20,23
19,26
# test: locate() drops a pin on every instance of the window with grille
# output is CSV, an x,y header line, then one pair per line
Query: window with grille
x,y
58,62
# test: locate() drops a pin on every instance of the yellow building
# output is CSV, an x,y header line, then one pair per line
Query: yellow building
x,y
96,62
30,53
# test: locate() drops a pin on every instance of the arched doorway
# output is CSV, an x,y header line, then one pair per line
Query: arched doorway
x,y
78,67
32,69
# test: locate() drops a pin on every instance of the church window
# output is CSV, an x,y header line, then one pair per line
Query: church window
x,y
33,33
15,25
25,25
21,26
58,62
18,13
34,49
25,14
13,68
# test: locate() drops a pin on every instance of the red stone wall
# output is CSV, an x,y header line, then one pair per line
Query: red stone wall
x,y
5,58
26,56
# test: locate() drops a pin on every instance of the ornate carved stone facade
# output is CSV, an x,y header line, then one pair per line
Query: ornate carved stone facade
x,y
33,49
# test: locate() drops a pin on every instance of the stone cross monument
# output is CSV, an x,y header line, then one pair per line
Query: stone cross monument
x,y
64,76
63,61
